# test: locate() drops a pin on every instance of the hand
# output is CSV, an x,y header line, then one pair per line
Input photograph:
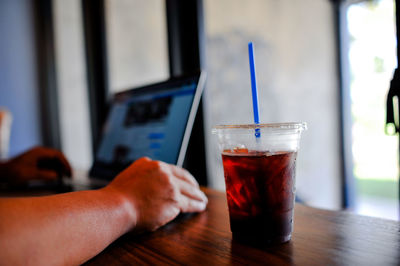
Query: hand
x,y
157,192
36,164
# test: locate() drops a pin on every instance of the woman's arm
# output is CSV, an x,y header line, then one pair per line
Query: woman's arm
x,y
73,227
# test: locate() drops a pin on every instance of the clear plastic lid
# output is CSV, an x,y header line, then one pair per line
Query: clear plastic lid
x,y
272,128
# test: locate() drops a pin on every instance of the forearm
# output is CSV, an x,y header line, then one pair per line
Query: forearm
x,y
61,229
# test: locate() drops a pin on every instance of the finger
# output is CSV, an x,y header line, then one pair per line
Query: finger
x,y
183,175
66,167
57,161
191,191
53,164
191,205
47,175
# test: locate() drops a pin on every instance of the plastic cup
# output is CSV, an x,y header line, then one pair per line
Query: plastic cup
x,y
260,179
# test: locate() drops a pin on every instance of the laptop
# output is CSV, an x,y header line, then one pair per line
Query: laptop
x,y
154,121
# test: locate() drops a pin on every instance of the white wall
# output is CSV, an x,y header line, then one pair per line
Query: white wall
x,y
297,79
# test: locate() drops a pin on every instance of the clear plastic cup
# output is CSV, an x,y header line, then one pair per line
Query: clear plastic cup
x,y
260,179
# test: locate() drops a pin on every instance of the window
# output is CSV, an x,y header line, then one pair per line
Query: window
x,y
371,56
72,84
137,55
137,43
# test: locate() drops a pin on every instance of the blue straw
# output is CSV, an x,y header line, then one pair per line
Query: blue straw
x,y
254,88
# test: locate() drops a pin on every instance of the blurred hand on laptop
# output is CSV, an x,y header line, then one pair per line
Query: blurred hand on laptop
x,y
38,163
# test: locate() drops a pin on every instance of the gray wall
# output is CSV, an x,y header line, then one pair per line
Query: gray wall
x,y
18,78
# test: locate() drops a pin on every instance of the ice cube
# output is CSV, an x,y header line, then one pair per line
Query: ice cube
x,y
241,149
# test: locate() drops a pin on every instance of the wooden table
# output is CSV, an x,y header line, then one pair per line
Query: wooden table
x,y
320,237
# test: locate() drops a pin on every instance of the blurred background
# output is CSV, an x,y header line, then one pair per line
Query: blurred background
x,y
324,62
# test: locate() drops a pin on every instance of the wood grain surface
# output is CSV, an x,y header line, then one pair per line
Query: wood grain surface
x,y
320,237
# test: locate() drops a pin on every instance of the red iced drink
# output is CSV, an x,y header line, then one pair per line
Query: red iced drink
x,y
260,191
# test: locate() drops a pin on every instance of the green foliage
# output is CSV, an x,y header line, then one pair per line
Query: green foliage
x,y
380,188
379,64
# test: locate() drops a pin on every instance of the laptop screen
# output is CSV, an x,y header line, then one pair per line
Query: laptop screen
x,y
149,121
